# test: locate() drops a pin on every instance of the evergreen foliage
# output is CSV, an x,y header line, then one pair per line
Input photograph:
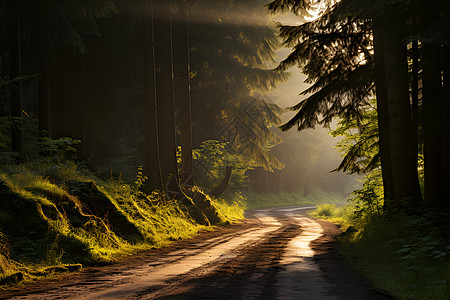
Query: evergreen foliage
x,y
231,65
347,50
336,55
361,153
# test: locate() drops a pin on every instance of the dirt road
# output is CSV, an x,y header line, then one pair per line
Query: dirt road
x,y
277,253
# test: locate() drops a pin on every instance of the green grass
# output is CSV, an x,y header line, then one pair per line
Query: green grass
x,y
406,255
229,212
44,229
338,214
255,200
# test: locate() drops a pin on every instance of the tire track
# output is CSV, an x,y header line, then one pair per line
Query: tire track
x,y
249,275
156,275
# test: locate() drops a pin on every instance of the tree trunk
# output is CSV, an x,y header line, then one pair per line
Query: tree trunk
x,y
415,95
15,72
151,157
58,101
404,163
445,168
42,40
43,94
432,123
432,106
165,101
220,189
383,115
76,113
182,90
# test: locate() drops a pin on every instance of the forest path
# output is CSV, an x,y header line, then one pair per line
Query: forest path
x,y
276,253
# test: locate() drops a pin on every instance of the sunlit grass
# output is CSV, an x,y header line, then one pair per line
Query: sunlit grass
x,y
46,228
228,212
255,200
338,214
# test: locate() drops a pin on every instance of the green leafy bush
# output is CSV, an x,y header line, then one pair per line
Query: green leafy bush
x,y
326,210
211,159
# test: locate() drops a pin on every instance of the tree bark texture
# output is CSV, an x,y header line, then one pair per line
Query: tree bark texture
x,y
15,72
383,114
432,106
151,157
415,95
182,87
445,168
432,123
42,41
164,94
404,161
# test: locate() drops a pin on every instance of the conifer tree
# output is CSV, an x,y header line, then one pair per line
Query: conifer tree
x,y
152,167
336,52
58,40
164,94
15,71
180,30
232,54
432,102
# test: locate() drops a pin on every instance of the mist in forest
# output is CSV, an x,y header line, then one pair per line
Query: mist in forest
x,y
91,76
310,155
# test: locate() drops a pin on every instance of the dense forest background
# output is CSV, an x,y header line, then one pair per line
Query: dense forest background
x,y
127,82
381,68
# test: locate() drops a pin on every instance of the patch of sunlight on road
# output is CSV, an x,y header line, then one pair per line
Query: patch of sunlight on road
x,y
300,277
299,247
266,219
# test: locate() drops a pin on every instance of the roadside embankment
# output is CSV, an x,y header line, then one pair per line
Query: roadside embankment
x,y
405,254
57,218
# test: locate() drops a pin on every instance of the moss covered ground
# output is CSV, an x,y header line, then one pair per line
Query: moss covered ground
x,y
59,217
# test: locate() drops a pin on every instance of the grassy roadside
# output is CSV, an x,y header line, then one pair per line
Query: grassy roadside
x,y
56,218
255,200
338,214
406,255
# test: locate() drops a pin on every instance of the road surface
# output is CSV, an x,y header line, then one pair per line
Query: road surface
x,y
276,253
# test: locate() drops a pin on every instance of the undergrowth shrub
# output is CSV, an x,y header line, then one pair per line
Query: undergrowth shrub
x,y
407,255
405,252
368,201
210,161
326,210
